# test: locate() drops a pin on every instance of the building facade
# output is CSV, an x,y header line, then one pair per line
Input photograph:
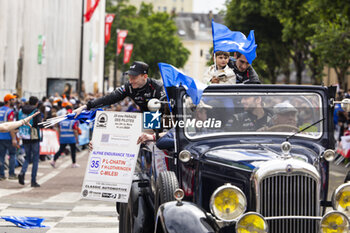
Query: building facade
x,y
166,5
40,44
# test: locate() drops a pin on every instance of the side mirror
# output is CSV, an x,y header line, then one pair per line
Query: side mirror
x,y
154,105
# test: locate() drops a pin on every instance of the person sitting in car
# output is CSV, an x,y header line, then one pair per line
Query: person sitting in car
x,y
284,118
254,117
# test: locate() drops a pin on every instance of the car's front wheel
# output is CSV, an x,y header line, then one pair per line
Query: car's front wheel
x,y
166,185
125,218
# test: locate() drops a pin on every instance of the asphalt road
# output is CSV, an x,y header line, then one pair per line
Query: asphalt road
x,y
58,200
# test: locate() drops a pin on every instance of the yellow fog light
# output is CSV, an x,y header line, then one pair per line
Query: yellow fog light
x,y
251,223
228,202
335,222
341,199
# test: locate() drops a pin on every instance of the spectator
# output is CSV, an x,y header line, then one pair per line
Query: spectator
x,y
68,131
8,140
31,139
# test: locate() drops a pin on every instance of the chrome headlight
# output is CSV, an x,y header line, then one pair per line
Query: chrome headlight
x,y
251,222
334,222
228,202
341,199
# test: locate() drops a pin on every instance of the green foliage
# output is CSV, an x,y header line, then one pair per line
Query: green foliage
x,y
332,44
272,52
152,34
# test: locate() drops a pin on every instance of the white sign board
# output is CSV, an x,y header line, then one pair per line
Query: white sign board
x,y
112,162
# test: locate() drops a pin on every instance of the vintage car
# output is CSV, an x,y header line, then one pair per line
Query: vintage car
x,y
238,166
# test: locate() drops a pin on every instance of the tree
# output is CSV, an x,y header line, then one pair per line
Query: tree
x,y
296,18
153,35
272,53
331,41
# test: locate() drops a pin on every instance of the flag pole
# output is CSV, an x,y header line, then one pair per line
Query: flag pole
x,y
116,64
104,60
81,52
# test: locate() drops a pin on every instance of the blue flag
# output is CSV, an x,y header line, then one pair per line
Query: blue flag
x,y
172,77
84,116
230,41
25,222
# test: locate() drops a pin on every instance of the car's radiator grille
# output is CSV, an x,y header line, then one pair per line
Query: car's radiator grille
x,y
289,195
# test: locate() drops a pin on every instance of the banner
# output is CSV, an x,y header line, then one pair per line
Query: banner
x,y
91,6
127,52
108,24
112,161
41,50
120,40
50,143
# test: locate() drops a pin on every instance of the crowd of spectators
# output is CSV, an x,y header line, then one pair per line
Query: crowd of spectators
x,y
49,107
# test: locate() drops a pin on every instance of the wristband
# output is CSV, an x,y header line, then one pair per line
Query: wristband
x,y
23,122
154,137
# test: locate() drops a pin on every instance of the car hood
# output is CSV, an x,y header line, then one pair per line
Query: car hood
x,y
251,156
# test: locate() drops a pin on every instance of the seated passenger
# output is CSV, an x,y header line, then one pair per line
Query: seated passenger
x,y
254,117
198,113
167,141
222,73
284,119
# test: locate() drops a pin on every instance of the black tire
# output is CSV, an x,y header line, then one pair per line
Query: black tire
x,y
347,178
166,185
125,218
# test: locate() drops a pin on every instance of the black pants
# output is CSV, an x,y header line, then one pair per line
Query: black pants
x,y
62,147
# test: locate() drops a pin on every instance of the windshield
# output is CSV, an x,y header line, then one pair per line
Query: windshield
x,y
253,113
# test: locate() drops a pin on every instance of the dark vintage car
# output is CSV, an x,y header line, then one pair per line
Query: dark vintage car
x,y
238,166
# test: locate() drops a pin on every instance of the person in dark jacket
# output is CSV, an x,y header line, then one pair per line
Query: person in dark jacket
x,y
140,88
31,140
243,70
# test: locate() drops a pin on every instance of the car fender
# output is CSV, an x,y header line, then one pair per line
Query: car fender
x,y
176,217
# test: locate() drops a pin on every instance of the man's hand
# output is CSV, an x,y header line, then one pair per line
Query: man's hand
x,y
27,119
79,110
145,137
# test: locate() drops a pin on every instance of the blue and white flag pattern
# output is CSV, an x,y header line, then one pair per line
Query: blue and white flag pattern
x,y
172,77
25,222
83,117
232,41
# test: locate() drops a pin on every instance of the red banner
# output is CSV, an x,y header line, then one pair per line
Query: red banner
x,y
120,40
91,6
108,24
127,52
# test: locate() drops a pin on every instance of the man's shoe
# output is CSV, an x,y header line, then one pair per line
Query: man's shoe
x,y
35,185
21,179
75,165
2,177
53,164
13,177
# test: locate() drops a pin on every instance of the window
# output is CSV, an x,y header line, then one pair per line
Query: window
x,y
201,53
164,9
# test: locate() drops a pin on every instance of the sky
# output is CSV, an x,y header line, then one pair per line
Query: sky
x,y
204,6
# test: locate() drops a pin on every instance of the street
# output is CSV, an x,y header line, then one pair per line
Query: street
x,y
58,200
